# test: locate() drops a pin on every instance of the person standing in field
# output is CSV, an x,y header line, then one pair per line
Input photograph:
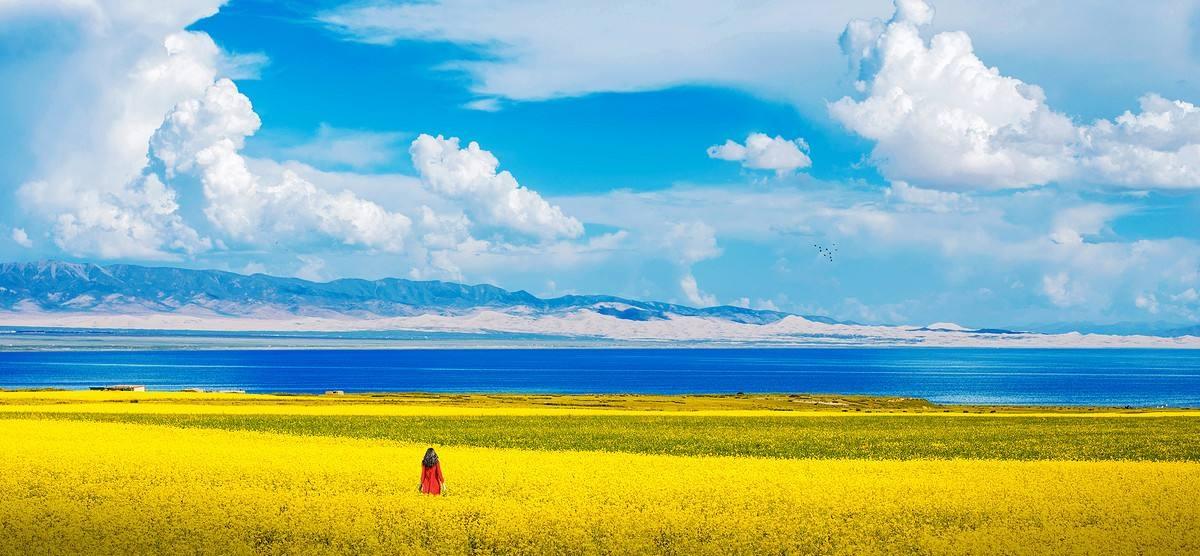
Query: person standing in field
x,y
432,481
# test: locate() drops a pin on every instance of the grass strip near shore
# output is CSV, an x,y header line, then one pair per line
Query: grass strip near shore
x,y
874,437
400,404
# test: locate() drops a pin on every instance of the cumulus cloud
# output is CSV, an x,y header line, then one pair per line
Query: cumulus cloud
x,y
206,133
139,221
163,120
533,50
691,291
469,174
109,202
763,152
1158,146
21,238
941,117
94,186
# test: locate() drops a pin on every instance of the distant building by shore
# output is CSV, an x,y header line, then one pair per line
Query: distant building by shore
x,y
122,388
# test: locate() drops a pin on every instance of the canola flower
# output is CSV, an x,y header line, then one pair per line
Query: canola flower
x,y
90,487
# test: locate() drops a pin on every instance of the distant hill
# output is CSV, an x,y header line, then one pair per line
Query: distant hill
x,y
1158,328
50,286
58,295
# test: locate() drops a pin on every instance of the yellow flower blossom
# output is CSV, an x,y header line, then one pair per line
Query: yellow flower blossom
x,y
104,488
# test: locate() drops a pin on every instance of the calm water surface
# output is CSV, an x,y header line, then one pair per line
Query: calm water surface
x,y
995,376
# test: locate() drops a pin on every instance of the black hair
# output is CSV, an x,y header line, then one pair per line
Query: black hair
x,y
430,458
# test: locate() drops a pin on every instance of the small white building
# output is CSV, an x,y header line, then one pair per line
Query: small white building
x,y
123,388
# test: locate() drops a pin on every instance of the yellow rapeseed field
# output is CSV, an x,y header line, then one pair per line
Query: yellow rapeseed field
x,y
92,487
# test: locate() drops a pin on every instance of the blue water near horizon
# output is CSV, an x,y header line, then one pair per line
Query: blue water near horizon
x,y
1109,377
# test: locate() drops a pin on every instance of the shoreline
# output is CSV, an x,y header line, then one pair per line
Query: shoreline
x,y
129,340
372,403
575,328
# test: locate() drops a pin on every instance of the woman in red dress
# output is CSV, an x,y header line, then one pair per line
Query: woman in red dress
x,y
431,474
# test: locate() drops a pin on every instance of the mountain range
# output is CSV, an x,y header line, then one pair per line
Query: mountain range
x,y
54,294
52,286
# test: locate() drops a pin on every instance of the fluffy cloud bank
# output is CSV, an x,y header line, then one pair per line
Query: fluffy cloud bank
x,y
92,183
763,152
942,118
532,49
206,133
163,126
469,174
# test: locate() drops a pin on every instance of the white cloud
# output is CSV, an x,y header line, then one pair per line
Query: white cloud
x,y
206,133
1147,302
350,148
21,238
92,193
253,267
485,258
687,243
469,174
1001,241
99,98
1157,147
93,186
1186,296
1059,289
929,199
243,66
311,268
767,305
763,152
140,221
534,49
690,242
692,292
1170,305
941,117
1073,225
486,104
538,50
221,114
110,171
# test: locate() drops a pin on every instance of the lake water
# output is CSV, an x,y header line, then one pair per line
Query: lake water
x,y
994,376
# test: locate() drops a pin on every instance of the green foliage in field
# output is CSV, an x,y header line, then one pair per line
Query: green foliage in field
x,y
899,437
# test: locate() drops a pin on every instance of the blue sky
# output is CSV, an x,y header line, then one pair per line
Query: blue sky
x,y
990,165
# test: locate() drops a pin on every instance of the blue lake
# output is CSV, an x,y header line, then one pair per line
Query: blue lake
x,y
998,376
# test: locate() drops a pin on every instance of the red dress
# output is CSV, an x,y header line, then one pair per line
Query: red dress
x,y
431,479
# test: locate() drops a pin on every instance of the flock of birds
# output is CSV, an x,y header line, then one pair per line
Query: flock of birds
x,y
826,252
